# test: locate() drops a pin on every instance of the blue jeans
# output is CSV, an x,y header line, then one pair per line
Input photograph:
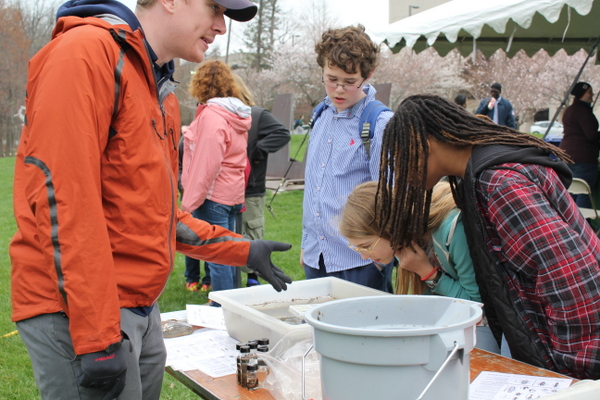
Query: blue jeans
x,y
192,265
222,276
589,173
367,275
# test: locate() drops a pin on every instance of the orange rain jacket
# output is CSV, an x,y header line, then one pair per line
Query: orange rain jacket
x,y
95,193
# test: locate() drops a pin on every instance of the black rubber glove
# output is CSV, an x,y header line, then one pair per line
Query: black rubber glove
x,y
104,370
259,261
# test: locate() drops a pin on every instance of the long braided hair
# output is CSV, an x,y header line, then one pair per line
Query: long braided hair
x,y
403,201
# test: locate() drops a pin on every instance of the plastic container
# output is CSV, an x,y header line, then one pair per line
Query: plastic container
x,y
392,347
261,312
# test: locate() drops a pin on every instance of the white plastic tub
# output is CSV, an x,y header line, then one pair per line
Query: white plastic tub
x,y
261,312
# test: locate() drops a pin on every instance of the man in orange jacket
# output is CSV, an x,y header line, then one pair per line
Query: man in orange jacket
x,y
95,195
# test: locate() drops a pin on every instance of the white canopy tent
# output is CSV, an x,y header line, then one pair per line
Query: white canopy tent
x,y
490,25
510,25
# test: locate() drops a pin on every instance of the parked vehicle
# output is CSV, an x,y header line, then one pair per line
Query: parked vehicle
x,y
555,134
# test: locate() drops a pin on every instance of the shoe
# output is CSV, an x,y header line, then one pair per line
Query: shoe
x,y
191,286
252,282
206,288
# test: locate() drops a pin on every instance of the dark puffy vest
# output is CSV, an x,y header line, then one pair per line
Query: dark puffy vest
x,y
504,315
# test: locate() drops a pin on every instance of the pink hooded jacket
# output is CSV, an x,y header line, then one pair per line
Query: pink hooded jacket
x,y
214,156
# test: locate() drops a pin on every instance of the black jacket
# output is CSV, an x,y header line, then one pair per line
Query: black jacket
x,y
266,135
581,140
504,315
506,115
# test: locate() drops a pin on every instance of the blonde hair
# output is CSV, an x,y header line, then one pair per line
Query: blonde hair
x,y
358,215
442,203
213,79
359,221
246,96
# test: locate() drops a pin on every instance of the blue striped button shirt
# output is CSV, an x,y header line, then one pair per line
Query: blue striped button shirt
x,y
336,162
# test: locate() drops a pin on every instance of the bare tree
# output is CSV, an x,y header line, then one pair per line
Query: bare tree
x,y
293,63
13,75
38,19
25,27
261,34
313,21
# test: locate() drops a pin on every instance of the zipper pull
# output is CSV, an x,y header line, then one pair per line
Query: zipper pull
x,y
156,130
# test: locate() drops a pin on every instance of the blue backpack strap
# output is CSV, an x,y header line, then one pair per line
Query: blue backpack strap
x,y
367,122
366,125
315,114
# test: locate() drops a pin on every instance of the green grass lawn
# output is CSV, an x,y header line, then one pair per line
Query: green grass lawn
x,y
16,375
537,135
298,146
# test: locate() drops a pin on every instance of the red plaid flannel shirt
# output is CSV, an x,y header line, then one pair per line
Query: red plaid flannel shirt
x,y
551,256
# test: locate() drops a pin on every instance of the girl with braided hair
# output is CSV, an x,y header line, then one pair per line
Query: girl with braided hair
x,y
536,259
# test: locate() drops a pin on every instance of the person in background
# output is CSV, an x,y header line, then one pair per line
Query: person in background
x,y
266,135
497,108
299,122
461,100
581,140
95,195
337,161
299,126
443,267
536,258
214,160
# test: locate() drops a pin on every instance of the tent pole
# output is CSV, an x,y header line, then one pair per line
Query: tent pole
x,y
292,161
564,101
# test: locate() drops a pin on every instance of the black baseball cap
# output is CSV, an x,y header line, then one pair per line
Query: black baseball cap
x,y
239,10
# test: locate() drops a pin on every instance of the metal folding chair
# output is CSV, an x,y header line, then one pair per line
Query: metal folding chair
x,y
579,186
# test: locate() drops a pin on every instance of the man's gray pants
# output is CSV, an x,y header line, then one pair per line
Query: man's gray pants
x,y
55,364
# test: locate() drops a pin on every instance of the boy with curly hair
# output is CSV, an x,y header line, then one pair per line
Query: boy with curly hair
x,y
337,161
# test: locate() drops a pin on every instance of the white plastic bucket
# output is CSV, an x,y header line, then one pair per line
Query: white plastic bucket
x,y
392,347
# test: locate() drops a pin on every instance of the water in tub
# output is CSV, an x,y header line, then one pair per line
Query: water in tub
x,y
291,313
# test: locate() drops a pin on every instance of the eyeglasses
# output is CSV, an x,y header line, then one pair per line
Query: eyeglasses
x,y
346,86
364,250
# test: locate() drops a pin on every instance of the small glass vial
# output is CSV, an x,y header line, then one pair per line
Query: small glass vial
x,y
263,369
263,342
253,344
237,359
243,360
251,377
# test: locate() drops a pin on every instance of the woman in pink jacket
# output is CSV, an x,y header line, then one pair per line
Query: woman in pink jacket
x,y
214,159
